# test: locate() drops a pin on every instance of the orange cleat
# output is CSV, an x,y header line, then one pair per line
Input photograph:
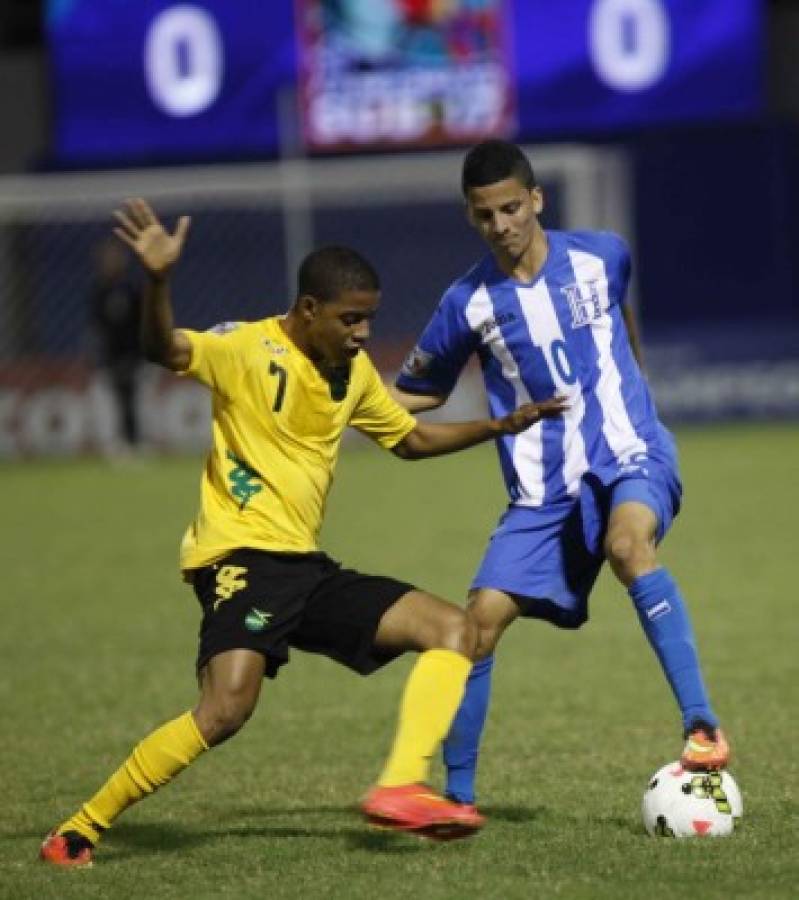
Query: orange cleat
x,y
467,807
706,748
68,849
418,809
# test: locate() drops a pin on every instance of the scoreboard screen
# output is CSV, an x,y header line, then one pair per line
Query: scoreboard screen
x,y
154,80
159,80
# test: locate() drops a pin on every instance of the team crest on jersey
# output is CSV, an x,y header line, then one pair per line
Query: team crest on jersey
x,y
584,302
224,327
418,363
272,347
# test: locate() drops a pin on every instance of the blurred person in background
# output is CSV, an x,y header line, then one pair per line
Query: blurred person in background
x,y
115,310
546,314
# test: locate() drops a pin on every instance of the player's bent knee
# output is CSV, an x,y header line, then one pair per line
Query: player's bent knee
x,y
618,546
628,552
420,621
456,631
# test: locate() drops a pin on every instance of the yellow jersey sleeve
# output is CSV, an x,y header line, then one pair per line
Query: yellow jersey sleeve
x,y
216,356
377,414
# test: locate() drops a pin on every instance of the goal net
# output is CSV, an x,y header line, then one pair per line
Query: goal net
x,y
252,224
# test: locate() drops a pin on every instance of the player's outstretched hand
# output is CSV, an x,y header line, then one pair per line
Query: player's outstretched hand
x,y
530,413
140,229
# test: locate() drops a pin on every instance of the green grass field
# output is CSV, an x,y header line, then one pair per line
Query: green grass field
x,y
97,646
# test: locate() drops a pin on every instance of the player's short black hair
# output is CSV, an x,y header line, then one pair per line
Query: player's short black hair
x,y
329,271
491,161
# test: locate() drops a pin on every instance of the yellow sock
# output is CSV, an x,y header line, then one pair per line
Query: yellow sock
x,y
156,760
433,691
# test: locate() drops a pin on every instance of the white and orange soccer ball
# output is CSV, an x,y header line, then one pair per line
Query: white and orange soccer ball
x,y
678,803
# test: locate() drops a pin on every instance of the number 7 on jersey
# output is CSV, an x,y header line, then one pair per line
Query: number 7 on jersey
x,y
275,369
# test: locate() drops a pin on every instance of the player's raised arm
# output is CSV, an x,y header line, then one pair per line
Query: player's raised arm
x,y
158,251
435,439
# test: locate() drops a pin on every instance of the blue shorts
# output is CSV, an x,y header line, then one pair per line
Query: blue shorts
x,y
548,558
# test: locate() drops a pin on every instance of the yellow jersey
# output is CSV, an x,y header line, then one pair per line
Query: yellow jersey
x,y
276,433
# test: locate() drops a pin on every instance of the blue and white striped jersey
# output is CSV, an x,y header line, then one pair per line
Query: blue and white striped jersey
x,y
563,333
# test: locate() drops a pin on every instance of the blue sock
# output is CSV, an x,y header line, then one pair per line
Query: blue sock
x,y
664,618
462,744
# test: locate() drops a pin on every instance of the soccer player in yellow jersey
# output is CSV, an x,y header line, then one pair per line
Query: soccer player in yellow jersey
x,y
283,390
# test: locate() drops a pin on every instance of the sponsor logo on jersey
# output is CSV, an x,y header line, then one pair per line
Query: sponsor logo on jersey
x,y
487,328
418,363
584,302
245,482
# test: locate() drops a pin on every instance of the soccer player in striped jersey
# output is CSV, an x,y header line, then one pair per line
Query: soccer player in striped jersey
x,y
283,390
546,316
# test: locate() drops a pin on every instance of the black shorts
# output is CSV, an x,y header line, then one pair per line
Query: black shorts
x,y
269,602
